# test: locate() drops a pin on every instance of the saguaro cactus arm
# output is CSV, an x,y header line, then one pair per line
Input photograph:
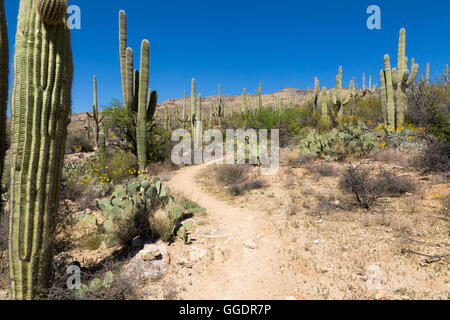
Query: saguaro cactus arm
x,y
123,52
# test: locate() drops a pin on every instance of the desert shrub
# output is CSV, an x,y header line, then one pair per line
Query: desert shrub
x,y
368,109
325,170
113,166
290,121
336,145
436,157
367,188
429,108
408,138
91,241
358,182
391,185
240,188
122,123
98,283
77,142
231,174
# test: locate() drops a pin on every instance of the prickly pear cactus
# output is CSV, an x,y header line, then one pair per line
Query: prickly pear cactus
x,y
340,144
40,108
140,194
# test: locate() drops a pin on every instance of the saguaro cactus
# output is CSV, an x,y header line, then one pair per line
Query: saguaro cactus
x,y
123,52
338,98
427,75
141,129
402,79
244,101
383,96
192,106
40,107
390,106
4,70
95,116
324,109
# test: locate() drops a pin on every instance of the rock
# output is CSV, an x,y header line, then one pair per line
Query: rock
x,y
3,295
380,295
259,236
150,263
250,244
316,241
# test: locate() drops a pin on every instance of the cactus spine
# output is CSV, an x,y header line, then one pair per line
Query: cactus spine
x,y
40,108
4,70
95,116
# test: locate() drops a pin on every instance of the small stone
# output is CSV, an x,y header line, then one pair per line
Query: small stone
x,y
380,295
316,241
250,244
259,236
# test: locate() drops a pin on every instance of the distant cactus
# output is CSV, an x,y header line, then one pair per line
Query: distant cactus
x,y
314,98
338,99
87,128
324,109
427,74
193,106
446,74
383,94
4,72
390,106
244,102
40,109
95,115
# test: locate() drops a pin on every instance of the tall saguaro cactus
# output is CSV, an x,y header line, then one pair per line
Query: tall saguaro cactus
x,y
40,107
123,52
141,129
244,101
402,79
4,70
193,106
383,96
95,116
338,98
324,109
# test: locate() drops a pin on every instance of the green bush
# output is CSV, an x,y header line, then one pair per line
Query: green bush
x,y
429,108
336,145
122,123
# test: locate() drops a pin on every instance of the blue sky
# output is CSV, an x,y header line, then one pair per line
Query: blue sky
x,y
283,43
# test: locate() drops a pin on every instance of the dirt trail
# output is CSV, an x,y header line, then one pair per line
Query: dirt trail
x,y
246,273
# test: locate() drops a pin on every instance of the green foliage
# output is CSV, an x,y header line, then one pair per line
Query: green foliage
x,y
122,122
348,142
